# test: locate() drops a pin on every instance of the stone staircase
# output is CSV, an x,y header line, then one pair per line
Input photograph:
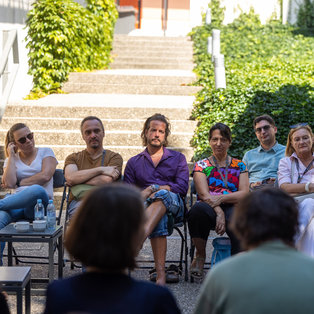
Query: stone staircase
x,y
148,75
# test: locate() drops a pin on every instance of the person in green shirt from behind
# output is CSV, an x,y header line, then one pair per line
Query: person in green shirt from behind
x,y
271,276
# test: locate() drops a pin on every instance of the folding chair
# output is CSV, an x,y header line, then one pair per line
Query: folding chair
x,y
58,182
221,244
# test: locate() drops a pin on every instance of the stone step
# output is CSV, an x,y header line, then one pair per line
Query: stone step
x,y
113,138
133,77
109,106
168,39
143,40
39,123
139,59
150,65
62,151
71,87
161,52
161,82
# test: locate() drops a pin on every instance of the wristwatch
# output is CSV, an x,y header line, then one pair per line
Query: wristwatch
x,y
154,187
307,187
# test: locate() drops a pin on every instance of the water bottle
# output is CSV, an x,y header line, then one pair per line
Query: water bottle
x,y
39,210
51,216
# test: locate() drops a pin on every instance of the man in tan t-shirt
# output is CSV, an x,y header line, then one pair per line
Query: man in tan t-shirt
x,y
93,165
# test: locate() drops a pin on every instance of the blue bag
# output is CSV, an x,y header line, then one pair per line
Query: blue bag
x,y
222,250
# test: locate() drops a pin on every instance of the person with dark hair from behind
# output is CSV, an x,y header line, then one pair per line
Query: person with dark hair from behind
x,y
105,235
272,276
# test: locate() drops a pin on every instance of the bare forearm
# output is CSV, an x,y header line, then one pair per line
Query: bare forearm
x,y
99,180
9,175
233,197
297,188
40,178
82,176
165,187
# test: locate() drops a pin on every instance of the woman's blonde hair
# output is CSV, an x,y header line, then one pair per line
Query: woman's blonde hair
x,y
10,137
289,148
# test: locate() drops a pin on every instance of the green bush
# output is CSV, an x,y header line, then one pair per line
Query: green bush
x,y
63,36
269,69
306,16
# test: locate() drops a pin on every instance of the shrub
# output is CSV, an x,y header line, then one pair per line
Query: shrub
x,y
63,36
269,69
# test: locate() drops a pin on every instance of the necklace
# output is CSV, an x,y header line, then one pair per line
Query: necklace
x,y
223,177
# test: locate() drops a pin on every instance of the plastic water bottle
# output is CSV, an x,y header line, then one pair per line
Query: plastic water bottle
x,y
51,216
39,210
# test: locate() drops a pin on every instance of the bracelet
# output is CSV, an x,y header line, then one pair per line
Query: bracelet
x,y
307,187
154,187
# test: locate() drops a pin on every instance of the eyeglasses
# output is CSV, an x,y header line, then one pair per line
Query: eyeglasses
x,y
265,128
23,139
298,125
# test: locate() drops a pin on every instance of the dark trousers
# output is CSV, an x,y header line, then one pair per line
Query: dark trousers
x,y
202,218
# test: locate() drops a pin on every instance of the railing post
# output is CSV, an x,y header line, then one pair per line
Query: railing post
x,y
5,76
165,16
219,69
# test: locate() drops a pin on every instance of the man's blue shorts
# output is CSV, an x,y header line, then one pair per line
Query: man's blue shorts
x,y
174,206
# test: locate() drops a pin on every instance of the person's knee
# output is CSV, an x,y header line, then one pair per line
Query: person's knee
x,y
38,192
5,219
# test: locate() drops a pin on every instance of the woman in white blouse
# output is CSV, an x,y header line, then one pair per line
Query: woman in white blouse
x,y
28,172
296,176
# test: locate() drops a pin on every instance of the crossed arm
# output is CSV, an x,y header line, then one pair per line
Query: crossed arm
x,y
94,176
48,168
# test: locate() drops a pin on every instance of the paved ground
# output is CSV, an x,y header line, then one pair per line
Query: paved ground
x,y
185,292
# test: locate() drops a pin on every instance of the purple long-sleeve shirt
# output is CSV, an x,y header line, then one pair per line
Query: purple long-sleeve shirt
x,y
172,170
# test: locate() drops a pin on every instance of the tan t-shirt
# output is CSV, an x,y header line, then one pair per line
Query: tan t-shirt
x,y
84,161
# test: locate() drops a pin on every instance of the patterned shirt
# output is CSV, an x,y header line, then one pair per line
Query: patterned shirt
x,y
215,181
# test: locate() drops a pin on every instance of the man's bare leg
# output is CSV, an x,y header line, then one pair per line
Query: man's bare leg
x,y
154,213
159,247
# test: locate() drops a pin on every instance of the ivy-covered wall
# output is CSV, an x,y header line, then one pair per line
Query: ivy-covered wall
x,y
63,36
269,69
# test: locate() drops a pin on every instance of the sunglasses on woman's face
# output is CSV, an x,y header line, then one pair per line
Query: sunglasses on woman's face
x,y
23,139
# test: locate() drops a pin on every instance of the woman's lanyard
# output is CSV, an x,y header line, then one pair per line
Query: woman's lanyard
x,y
305,171
224,177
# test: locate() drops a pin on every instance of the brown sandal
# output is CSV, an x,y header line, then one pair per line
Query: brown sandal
x,y
197,267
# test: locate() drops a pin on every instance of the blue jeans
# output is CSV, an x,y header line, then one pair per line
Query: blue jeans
x,y
17,206
174,206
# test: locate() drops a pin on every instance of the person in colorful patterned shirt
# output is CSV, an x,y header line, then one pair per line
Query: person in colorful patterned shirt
x,y
220,182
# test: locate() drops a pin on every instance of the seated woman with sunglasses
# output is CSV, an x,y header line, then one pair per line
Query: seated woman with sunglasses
x,y
296,176
28,172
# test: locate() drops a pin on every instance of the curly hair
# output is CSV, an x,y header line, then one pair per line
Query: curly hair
x,y
156,117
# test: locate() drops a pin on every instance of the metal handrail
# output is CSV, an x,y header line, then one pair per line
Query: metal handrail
x,y
10,42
